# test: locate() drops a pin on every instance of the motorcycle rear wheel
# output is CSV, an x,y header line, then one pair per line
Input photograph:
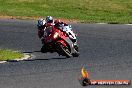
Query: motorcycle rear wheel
x,y
44,49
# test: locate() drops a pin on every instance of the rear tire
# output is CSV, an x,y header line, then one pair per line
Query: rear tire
x,y
44,49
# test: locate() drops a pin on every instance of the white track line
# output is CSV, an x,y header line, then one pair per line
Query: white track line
x,y
114,24
128,24
101,23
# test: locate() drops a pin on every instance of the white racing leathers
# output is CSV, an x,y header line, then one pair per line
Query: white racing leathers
x,y
68,30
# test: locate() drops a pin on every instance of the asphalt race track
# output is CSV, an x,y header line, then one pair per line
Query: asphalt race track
x,y
105,52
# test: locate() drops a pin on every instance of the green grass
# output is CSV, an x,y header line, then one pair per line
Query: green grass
x,y
111,11
9,55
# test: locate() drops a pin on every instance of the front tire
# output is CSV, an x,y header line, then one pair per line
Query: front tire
x,y
64,51
76,54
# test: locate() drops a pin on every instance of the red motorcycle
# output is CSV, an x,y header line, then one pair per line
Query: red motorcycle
x,y
58,41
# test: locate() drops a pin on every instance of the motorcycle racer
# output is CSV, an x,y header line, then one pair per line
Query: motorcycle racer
x,y
43,24
66,28
41,27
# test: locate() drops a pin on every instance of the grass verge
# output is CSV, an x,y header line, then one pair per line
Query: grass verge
x,y
9,55
91,11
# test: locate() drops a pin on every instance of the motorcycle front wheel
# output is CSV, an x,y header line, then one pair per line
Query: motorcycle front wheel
x,y
64,51
76,54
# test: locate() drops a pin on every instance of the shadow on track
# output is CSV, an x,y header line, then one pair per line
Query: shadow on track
x,y
31,51
45,59
33,59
